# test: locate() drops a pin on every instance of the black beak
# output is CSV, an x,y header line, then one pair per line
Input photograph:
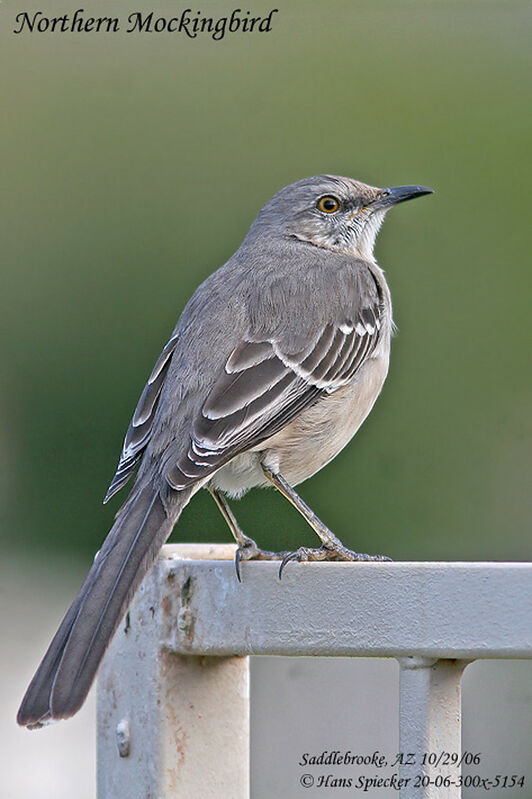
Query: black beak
x,y
399,194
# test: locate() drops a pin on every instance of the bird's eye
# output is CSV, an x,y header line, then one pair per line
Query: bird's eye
x,y
328,204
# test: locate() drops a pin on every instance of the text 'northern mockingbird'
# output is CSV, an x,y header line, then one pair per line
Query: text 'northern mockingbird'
x,y
274,364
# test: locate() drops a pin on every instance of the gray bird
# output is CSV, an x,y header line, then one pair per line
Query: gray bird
x,y
273,366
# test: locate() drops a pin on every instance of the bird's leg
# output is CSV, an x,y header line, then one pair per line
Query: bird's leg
x,y
247,548
332,548
243,541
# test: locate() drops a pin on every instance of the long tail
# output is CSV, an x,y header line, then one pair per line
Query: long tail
x,y
67,671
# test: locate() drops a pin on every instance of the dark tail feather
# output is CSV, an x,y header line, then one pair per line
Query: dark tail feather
x,y
67,671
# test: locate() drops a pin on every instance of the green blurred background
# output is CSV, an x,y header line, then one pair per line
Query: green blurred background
x,y
132,167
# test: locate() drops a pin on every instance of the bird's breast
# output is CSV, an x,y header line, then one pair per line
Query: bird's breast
x,y
316,436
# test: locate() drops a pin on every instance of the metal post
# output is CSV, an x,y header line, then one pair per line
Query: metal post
x,y
170,725
173,705
430,727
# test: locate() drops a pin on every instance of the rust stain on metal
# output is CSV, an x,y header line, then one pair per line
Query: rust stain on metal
x,y
170,576
178,742
185,616
187,589
180,738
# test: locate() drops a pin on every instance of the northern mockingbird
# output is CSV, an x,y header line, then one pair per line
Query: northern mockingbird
x,y
274,364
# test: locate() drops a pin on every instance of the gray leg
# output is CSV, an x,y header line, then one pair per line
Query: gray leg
x,y
332,548
247,548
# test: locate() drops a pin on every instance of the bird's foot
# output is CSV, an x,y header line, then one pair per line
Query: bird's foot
x,y
326,552
248,550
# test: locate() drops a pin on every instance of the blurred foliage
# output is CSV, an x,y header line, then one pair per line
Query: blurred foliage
x,y
132,167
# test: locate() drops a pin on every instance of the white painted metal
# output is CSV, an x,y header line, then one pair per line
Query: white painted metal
x,y
172,722
437,610
429,727
170,726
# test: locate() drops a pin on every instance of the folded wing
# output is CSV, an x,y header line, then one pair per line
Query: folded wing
x,y
264,386
141,425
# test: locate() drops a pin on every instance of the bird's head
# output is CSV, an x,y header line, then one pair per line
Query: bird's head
x,y
332,212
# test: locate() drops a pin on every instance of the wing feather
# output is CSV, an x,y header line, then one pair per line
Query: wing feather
x,y
139,431
263,387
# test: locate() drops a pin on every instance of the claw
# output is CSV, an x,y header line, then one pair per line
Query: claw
x,y
248,550
287,558
245,551
237,565
304,554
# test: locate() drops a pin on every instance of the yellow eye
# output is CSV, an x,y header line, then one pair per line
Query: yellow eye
x,y
328,204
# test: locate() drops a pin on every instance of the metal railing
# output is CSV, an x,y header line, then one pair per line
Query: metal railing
x,y
173,690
